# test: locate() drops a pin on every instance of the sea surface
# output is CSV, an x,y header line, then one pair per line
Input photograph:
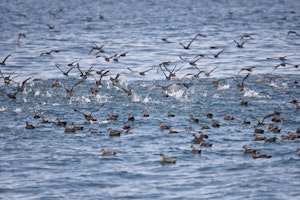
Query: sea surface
x,y
137,36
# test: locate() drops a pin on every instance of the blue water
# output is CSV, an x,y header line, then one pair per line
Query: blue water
x,y
47,163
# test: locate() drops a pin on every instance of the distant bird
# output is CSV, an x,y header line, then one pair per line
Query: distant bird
x,y
128,92
77,128
44,121
246,36
215,124
240,45
145,114
116,79
101,73
291,33
207,74
91,131
242,85
259,155
194,150
113,132
169,114
72,63
203,144
167,160
245,121
218,53
20,36
246,150
227,117
189,44
65,73
112,116
162,126
209,114
243,102
60,123
171,131
142,73
51,26
130,118
107,153
11,95
89,117
249,69
55,83
29,126
69,129
84,75
194,119
193,62
49,52
97,48
70,91
3,62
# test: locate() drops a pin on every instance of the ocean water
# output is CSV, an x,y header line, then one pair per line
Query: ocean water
x,y
47,163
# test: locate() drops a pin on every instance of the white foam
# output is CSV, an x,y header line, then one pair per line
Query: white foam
x,y
2,109
37,93
252,93
179,95
18,110
224,87
48,94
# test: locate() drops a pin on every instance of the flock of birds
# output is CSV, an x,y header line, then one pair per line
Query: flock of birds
x,y
169,71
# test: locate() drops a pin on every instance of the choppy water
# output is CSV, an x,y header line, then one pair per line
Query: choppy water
x,y
46,163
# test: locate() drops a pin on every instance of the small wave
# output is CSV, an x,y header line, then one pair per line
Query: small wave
x,y
137,98
179,95
276,85
18,110
2,109
48,94
37,93
224,87
252,93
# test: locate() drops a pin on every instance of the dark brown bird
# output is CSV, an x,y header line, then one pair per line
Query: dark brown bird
x,y
11,95
127,91
29,126
243,102
20,36
65,73
193,62
242,85
142,73
70,91
49,52
194,150
114,132
194,119
97,48
291,33
60,123
107,153
246,150
249,69
84,75
189,44
240,45
3,62
203,144
89,117
218,53
167,160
